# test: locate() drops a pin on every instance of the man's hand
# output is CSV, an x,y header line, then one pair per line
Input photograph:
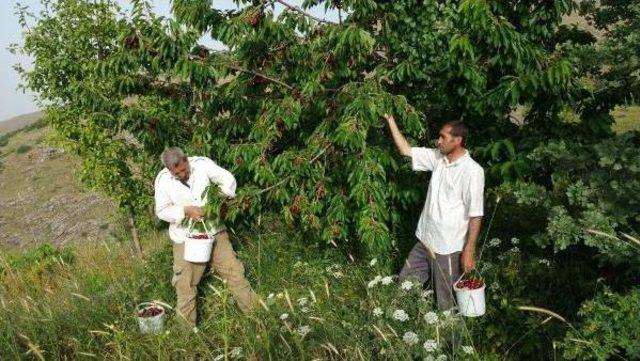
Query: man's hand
x,y
193,212
467,260
388,118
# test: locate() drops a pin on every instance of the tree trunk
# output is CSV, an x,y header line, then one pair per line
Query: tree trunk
x,y
134,233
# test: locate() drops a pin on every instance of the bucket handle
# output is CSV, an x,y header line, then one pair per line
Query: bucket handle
x,y
459,278
464,273
155,303
207,230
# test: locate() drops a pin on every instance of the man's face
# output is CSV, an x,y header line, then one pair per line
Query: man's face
x,y
181,171
447,142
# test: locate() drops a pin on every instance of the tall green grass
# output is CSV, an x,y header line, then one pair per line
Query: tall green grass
x,y
316,304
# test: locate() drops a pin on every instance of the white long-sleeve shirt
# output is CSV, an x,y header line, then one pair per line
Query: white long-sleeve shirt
x,y
171,195
456,193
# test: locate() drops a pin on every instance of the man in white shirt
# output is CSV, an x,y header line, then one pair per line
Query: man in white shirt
x,y
450,221
178,191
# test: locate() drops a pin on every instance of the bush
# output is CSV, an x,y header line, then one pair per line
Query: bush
x,y
23,149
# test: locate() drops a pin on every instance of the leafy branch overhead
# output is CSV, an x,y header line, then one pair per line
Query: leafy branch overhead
x,y
293,104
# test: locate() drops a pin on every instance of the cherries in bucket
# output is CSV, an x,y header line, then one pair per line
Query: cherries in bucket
x,y
470,296
199,236
470,284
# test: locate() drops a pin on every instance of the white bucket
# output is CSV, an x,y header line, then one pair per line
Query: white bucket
x,y
471,303
198,250
150,324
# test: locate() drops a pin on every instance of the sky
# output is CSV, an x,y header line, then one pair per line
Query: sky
x,y
14,102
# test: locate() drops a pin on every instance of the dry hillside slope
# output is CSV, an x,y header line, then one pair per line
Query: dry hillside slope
x,y
41,199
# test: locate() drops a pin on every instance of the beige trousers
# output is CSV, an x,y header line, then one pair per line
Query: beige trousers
x,y
224,261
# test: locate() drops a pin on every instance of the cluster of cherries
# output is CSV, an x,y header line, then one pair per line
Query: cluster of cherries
x,y
199,236
471,284
150,312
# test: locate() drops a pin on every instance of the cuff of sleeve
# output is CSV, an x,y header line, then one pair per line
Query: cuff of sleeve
x,y
228,193
473,214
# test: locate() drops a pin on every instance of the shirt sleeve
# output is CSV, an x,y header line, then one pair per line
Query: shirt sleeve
x,y
220,176
423,159
474,194
164,207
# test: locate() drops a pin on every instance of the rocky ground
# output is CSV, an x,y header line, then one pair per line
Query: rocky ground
x,y
41,199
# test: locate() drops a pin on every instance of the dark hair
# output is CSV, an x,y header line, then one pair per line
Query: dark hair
x,y
458,129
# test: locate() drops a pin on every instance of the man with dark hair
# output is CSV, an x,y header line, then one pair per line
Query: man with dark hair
x,y
450,221
179,190
458,129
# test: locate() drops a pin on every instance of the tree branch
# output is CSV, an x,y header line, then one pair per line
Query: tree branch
x,y
299,10
262,75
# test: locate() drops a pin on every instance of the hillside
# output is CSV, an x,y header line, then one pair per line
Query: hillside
x,y
19,122
41,199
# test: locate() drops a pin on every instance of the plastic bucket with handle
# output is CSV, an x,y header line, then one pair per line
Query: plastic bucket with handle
x,y
150,317
198,250
471,302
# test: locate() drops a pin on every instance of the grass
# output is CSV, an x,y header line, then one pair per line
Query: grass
x,y
68,304
627,118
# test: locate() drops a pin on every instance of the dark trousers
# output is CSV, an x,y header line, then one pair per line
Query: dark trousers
x,y
440,270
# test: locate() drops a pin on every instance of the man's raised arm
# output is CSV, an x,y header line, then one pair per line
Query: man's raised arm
x,y
398,138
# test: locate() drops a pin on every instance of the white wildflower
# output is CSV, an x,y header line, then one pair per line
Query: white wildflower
x,y
515,241
429,358
441,358
236,352
373,262
377,312
374,281
400,315
446,313
219,358
303,330
431,318
271,299
427,293
284,316
515,250
303,301
406,285
305,309
545,262
387,280
495,242
410,338
430,345
467,349
337,274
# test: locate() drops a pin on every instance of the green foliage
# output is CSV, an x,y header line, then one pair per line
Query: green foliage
x,y
294,107
4,139
24,148
608,329
40,259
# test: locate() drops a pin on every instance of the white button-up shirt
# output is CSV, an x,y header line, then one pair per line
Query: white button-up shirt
x,y
455,194
171,195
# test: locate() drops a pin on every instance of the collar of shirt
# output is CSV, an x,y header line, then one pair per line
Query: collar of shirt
x,y
178,179
458,161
